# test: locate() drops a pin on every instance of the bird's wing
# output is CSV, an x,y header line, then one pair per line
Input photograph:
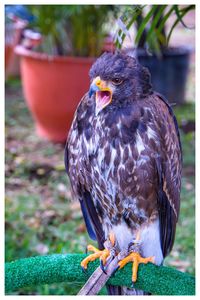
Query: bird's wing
x,y
84,201
92,222
169,165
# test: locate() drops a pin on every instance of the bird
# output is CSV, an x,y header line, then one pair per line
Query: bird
x,y
123,157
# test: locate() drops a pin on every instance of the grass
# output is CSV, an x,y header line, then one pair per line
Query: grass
x,y
40,217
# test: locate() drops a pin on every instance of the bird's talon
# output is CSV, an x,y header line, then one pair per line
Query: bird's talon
x,y
105,255
84,270
102,266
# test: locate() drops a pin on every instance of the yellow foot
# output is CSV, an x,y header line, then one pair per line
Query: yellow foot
x,y
102,254
136,259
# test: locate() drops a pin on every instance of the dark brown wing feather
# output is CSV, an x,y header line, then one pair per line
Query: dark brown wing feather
x,y
169,167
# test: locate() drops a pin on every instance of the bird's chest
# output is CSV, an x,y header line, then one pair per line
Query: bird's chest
x,y
111,163
95,163
110,160
94,149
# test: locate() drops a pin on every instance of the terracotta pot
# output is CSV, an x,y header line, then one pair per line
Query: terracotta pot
x,y
53,87
8,55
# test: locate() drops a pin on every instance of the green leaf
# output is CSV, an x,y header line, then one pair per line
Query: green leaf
x,y
154,46
160,37
144,24
123,28
121,34
183,13
177,11
155,20
162,23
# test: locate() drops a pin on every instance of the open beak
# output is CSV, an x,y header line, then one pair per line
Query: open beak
x,y
103,94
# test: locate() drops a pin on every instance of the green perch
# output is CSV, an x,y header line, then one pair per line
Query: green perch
x,y
54,268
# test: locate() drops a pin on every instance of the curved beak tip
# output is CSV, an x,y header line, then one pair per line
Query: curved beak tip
x,y
93,88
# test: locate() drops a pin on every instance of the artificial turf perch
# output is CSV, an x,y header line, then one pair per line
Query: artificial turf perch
x,y
38,270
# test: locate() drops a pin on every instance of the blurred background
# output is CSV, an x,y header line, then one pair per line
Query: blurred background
x,y
49,50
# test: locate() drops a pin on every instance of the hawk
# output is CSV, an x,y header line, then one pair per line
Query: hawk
x,y
123,158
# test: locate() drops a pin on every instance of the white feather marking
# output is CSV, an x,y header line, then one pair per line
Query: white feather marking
x,y
73,136
111,165
139,144
143,160
121,149
129,150
119,125
101,156
151,133
75,150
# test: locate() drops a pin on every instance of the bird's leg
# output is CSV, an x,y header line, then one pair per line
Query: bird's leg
x,y
135,257
101,254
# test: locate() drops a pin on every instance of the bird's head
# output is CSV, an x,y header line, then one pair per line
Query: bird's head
x,y
117,78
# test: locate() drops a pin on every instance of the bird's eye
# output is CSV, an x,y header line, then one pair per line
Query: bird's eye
x,y
117,81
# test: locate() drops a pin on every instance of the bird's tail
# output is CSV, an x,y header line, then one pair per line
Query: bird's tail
x,y
123,290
